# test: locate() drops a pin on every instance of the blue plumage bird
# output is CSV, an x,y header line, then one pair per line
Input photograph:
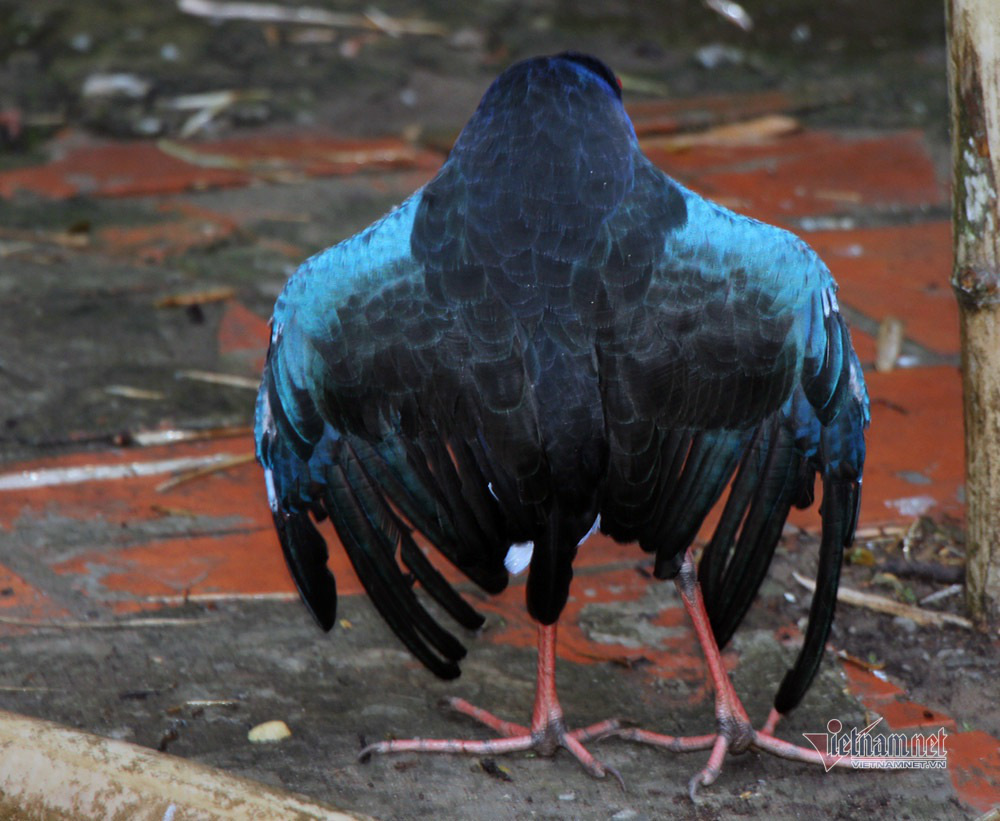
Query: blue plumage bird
x,y
553,335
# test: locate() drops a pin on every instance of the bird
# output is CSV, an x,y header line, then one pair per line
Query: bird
x,y
552,337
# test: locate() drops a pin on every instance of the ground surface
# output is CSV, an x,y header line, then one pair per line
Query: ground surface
x,y
132,254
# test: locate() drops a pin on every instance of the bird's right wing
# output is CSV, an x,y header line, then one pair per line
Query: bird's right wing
x,y
708,334
726,360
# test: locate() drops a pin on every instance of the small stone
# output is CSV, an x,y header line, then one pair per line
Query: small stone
x,y
905,624
269,731
716,55
468,39
82,42
119,84
801,34
567,796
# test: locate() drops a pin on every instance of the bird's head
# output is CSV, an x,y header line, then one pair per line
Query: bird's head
x,y
544,103
548,155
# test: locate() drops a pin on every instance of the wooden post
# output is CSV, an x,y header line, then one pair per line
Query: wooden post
x,y
974,82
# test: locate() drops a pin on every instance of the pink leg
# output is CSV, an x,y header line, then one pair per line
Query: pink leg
x,y
772,722
735,733
547,732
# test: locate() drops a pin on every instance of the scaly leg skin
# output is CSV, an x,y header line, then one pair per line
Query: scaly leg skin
x,y
735,733
547,732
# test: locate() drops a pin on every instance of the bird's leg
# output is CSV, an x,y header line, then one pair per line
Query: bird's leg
x,y
547,726
772,722
735,733
547,732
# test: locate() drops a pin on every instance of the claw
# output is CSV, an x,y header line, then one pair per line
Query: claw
x,y
616,774
697,780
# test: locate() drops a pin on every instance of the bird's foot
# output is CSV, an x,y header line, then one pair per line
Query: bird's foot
x,y
735,736
765,741
543,738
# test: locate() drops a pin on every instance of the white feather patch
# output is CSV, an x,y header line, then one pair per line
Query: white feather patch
x,y
594,527
518,557
272,497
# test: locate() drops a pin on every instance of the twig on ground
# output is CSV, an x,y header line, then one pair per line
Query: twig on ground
x,y
881,604
195,298
132,392
930,571
68,624
75,474
149,438
889,343
947,593
207,470
871,666
745,132
308,15
229,380
212,598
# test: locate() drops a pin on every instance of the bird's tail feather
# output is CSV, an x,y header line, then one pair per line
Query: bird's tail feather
x,y
551,571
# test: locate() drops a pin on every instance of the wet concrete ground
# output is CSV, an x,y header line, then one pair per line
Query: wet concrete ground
x,y
131,267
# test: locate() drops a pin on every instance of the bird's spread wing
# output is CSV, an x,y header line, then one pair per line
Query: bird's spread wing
x,y
733,367
430,375
355,343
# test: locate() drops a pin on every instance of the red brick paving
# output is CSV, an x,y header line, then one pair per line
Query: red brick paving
x,y
242,333
915,451
116,170
810,174
142,168
653,117
870,688
908,715
19,597
974,764
190,565
917,435
184,228
898,271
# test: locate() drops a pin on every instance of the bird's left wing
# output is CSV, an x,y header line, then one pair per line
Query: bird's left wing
x,y
356,340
